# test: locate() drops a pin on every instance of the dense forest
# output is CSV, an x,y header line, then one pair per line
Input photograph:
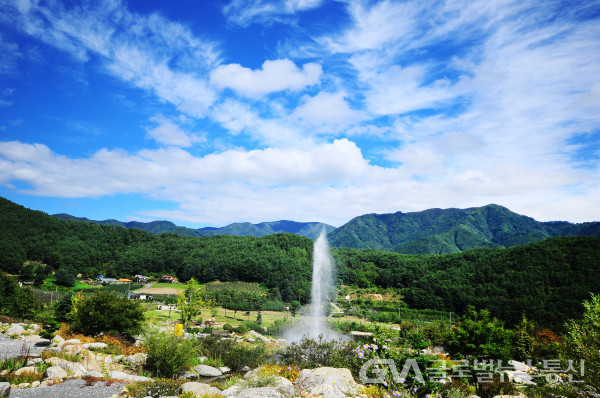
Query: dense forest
x,y
308,229
547,281
443,231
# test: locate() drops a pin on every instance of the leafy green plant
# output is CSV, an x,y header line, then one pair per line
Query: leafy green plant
x,y
25,377
168,355
12,364
582,340
106,312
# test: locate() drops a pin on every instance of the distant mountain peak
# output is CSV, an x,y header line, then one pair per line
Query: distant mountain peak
x,y
441,231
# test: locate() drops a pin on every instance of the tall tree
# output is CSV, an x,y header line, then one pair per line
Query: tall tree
x,y
191,301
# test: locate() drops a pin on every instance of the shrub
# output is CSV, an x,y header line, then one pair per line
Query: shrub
x,y
496,387
25,377
227,326
159,388
240,355
582,340
312,353
107,312
168,355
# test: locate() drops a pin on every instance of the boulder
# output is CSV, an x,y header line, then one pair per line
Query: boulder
x,y
56,372
261,392
232,391
27,369
57,339
207,371
124,376
329,382
4,389
72,368
199,389
35,384
137,359
15,330
34,338
69,342
224,369
95,345
284,386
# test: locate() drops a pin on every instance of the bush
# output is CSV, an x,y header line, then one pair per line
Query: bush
x,y
107,312
233,355
168,355
582,340
312,353
496,387
158,388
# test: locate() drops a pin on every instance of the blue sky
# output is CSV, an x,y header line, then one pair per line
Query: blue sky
x,y
207,113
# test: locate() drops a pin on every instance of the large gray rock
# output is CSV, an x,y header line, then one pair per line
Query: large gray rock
x,y
207,371
199,389
4,389
95,345
232,391
56,372
15,330
284,386
72,368
137,359
329,382
261,392
27,369
124,376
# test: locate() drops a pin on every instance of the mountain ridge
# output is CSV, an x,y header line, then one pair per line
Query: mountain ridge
x,y
444,231
308,229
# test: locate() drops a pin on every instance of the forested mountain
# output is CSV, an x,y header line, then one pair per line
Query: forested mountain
x,y
545,280
443,231
308,229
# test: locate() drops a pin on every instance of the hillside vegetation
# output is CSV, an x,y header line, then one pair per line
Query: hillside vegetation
x,y
443,231
308,229
544,280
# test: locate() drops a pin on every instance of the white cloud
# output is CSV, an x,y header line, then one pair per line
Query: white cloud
x,y
239,118
329,182
169,133
327,109
149,52
274,76
246,12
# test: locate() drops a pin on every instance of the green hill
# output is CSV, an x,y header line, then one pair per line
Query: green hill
x,y
444,231
309,229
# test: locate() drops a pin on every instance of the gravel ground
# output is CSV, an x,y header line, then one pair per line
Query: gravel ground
x,y
10,348
69,388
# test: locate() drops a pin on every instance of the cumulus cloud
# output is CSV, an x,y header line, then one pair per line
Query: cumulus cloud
x,y
275,75
330,110
167,132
